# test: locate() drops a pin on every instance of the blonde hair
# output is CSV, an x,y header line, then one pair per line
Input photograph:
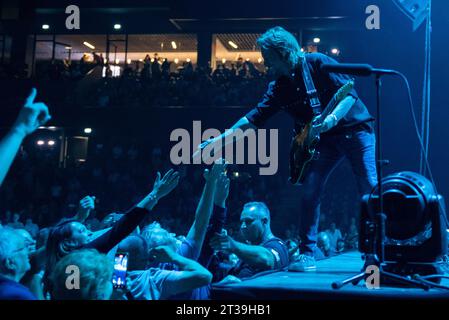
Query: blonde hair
x,y
95,271
282,41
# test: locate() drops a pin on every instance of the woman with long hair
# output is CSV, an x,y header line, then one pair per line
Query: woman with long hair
x,y
70,235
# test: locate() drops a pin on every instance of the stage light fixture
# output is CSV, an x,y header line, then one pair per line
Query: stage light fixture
x,y
176,60
51,142
415,10
232,44
40,142
173,45
45,27
335,51
415,224
87,44
316,40
88,130
117,26
188,60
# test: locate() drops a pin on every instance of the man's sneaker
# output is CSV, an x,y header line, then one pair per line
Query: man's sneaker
x,y
303,263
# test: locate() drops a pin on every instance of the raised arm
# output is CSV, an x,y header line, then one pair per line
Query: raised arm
x,y
203,212
87,204
129,222
217,221
32,116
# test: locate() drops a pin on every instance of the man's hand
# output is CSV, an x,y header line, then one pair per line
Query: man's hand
x,y
161,188
32,116
164,186
222,190
222,242
87,204
329,122
162,254
212,145
218,169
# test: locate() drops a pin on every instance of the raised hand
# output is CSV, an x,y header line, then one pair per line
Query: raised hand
x,y
222,190
164,186
32,116
86,205
218,168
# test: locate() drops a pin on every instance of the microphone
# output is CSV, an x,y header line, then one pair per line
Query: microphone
x,y
358,69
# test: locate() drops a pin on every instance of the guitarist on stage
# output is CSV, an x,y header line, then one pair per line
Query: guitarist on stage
x,y
345,132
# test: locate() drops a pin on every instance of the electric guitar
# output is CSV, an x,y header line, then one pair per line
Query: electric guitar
x,y
303,147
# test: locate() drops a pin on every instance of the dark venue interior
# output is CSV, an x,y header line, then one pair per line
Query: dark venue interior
x,y
110,110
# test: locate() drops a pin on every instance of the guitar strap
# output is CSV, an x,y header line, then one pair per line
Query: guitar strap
x,y
312,94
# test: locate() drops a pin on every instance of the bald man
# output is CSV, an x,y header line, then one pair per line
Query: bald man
x,y
263,251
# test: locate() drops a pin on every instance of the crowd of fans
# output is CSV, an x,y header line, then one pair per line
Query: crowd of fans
x,y
154,82
211,227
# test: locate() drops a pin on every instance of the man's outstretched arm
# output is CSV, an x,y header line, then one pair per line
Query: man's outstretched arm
x,y
255,256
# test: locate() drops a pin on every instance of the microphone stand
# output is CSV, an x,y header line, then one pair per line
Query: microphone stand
x,y
377,256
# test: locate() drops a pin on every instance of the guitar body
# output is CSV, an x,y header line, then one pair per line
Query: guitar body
x,y
303,149
302,153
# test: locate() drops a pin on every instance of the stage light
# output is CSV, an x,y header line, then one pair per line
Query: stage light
x,y
88,130
117,61
117,26
188,60
415,10
176,60
87,44
51,142
247,59
232,44
260,60
316,40
45,27
68,48
152,59
223,60
415,230
173,45
335,51
40,142
129,61
140,60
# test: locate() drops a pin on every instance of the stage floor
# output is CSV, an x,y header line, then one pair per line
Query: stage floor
x,y
316,285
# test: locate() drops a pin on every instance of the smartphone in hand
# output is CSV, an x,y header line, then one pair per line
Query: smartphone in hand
x,y
120,270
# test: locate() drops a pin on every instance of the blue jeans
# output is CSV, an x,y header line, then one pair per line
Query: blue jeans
x,y
358,146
